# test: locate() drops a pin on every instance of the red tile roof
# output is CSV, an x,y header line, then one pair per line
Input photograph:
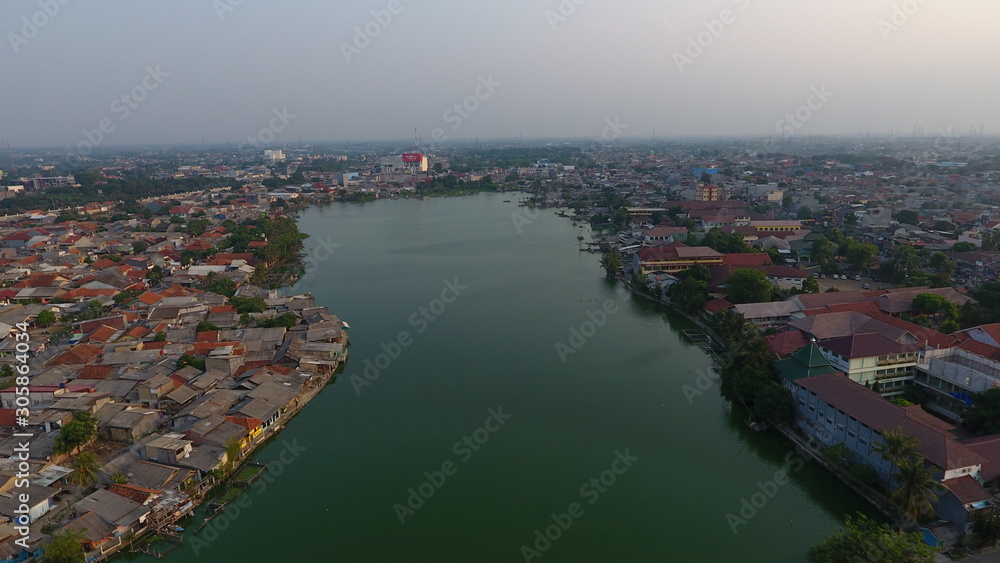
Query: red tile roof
x,y
207,336
96,372
717,305
865,345
967,490
748,259
102,334
247,422
786,343
988,447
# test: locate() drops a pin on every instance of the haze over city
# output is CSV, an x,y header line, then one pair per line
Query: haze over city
x,y
218,72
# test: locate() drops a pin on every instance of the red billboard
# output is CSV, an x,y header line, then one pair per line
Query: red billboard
x,y
413,157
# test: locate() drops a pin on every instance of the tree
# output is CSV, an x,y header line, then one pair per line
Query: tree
x,y
160,337
46,318
94,309
248,304
85,468
689,294
895,447
748,285
189,360
862,540
932,304
76,433
963,247
942,264
838,454
119,477
983,417
285,320
233,452
205,326
787,203
821,252
774,403
916,493
138,247
987,528
804,213
908,216
730,325
864,473
991,240
859,255
611,261
155,275
810,285
65,547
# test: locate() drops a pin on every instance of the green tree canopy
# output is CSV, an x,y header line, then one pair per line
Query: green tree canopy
x,y
85,467
65,547
748,285
864,541
908,216
77,432
46,318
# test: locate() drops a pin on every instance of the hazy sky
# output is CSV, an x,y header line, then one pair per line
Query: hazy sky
x,y
223,70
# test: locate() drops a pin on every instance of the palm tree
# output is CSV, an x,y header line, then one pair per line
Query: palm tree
x,y
754,350
917,489
612,263
85,467
730,325
895,447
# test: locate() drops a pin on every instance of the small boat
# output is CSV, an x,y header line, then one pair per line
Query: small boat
x,y
506,201
757,426
579,237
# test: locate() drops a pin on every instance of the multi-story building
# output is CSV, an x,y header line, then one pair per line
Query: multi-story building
x,y
872,359
674,257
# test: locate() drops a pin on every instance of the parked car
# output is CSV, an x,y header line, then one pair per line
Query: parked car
x,y
857,277
822,276
836,277
865,286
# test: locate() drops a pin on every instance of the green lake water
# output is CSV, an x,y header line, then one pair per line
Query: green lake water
x,y
348,460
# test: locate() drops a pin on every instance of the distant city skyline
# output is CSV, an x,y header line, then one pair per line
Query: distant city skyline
x,y
103,74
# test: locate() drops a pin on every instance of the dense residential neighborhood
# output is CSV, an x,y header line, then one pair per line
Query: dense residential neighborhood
x,y
158,353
